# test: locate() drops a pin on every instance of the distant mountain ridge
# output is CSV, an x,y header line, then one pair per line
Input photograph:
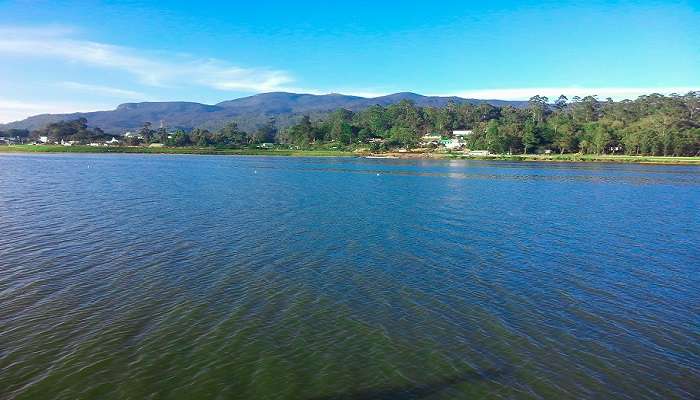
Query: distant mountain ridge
x,y
249,112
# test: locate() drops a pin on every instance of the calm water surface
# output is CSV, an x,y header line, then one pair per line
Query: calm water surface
x,y
196,277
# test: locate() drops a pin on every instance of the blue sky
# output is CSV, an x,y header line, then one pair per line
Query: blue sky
x,y
61,56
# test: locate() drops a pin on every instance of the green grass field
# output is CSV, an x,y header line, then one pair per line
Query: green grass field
x,y
171,150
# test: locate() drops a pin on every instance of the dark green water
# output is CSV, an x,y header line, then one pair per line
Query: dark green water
x,y
194,277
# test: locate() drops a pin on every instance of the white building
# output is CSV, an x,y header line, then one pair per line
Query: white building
x,y
112,141
453,144
133,135
462,133
69,142
44,139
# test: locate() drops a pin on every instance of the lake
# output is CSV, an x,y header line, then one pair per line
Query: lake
x,y
193,277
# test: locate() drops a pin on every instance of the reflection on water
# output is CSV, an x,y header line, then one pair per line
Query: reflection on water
x,y
132,276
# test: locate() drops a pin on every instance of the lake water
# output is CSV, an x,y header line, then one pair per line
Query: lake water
x,y
196,277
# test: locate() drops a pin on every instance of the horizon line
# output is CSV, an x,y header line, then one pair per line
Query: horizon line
x,y
17,111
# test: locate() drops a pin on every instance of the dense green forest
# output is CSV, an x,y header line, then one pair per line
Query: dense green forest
x,y
15,133
650,125
76,129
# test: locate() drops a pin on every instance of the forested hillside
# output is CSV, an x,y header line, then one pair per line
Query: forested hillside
x,y
651,125
249,113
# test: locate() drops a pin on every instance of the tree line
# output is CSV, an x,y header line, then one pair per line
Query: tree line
x,y
228,136
15,133
73,130
650,125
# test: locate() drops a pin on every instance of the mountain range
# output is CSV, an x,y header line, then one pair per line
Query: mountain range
x,y
249,112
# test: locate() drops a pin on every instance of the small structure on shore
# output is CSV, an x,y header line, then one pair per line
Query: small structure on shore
x,y
10,140
133,135
462,133
432,139
453,144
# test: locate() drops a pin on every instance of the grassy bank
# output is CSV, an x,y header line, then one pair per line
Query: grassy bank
x,y
172,150
590,158
340,153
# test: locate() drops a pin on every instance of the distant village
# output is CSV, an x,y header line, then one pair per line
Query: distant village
x,y
456,143
117,140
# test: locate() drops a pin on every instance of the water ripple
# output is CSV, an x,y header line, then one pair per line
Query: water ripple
x,y
252,277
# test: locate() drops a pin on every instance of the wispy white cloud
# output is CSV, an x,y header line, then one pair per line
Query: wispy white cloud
x,y
14,110
616,93
175,70
102,90
154,69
